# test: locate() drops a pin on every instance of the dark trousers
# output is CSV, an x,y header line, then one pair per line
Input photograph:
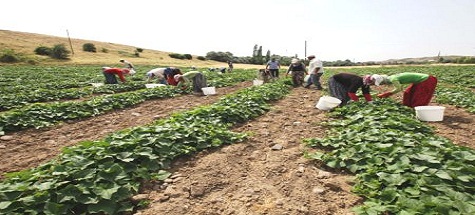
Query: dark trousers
x,y
110,78
315,80
274,72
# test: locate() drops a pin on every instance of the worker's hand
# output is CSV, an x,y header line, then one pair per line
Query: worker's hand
x,y
385,95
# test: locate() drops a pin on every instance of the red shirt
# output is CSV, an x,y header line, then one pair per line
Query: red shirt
x,y
116,71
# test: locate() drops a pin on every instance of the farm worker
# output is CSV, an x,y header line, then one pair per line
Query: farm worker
x,y
419,93
128,65
158,73
315,69
169,73
298,71
110,74
344,86
222,69
264,75
273,66
196,78
230,66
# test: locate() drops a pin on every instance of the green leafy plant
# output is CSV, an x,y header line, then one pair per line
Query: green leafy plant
x,y
401,167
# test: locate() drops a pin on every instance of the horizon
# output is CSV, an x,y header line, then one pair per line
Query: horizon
x,y
362,31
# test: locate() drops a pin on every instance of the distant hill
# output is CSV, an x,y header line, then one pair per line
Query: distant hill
x,y
107,54
422,59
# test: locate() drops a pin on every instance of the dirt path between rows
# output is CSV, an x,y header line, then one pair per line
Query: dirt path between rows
x,y
31,147
266,174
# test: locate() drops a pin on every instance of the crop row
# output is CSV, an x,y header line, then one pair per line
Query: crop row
x,y
401,167
458,96
101,176
40,115
23,85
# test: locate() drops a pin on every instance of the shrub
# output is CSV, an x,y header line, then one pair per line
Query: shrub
x,y
137,54
59,51
201,58
89,47
43,50
176,56
188,56
104,50
181,56
9,56
140,50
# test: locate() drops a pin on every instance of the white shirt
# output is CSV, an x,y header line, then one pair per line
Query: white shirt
x,y
315,63
158,73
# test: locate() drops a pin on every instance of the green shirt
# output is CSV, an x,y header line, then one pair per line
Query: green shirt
x,y
406,78
187,77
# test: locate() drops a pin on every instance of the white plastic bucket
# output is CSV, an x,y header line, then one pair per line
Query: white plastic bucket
x,y
327,103
154,85
430,113
209,90
256,82
306,78
97,84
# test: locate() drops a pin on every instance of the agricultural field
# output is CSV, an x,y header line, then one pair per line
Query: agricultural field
x,y
70,148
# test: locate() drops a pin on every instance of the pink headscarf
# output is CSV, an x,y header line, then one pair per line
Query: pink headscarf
x,y
367,80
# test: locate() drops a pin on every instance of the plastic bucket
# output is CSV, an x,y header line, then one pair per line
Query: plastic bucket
x,y
97,84
209,90
327,103
154,85
306,78
430,113
256,82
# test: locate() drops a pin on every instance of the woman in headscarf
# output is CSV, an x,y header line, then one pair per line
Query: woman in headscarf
x,y
110,73
419,93
344,86
195,78
298,70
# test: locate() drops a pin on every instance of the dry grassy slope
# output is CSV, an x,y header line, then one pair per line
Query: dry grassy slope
x,y
26,43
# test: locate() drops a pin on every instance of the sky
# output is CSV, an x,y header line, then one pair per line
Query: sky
x,y
357,30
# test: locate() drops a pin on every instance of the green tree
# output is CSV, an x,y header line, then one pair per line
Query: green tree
x,y
268,56
59,51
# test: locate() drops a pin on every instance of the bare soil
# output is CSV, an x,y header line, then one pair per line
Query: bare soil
x,y
266,174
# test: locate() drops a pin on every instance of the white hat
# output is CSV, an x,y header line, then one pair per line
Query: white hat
x,y
132,72
176,77
295,60
378,79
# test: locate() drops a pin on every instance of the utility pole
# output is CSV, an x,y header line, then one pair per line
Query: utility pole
x,y
305,53
70,44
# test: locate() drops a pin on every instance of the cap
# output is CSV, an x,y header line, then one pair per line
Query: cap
x,y
311,56
295,60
